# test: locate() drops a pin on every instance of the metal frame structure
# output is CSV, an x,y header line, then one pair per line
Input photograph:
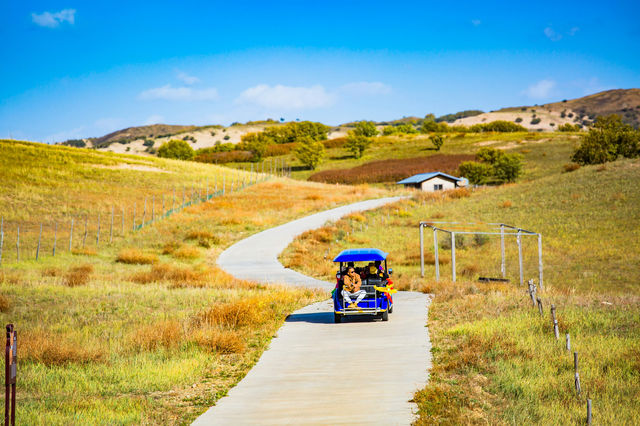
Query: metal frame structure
x,y
501,229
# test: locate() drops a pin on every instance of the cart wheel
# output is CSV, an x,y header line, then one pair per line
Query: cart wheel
x,y
391,308
385,316
337,318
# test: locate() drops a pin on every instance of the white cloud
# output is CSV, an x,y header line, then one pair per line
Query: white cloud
x,y
53,20
540,90
366,88
180,94
552,35
187,79
287,97
476,22
153,119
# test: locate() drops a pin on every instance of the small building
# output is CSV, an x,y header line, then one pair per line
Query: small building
x,y
435,181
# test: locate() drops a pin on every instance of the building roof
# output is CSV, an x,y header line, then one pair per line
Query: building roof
x,y
426,176
361,255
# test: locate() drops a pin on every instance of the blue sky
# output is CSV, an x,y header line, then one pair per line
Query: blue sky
x,y
78,68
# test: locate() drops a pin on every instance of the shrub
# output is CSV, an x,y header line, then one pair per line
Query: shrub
x,y
535,120
179,277
162,334
309,152
430,125
219,340
518,120
5,305
256,144
226,137
365,128
445,243
78,275
235,314
568,127
295,131
334,143
224,157
78,143
480,239
132,256
450,118
606,141
357,144
186,252
148,142
275,150
492,166
477,173
497,126
437,141
176,149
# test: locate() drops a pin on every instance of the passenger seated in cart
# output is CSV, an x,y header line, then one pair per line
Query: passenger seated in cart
x,y
351,288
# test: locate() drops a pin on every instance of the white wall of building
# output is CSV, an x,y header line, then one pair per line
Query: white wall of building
x,y
428,185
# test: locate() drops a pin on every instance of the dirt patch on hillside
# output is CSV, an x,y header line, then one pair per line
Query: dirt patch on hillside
x,y
392,170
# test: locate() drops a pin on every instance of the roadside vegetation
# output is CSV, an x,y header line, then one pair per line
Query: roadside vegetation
x,y
495,360
146,330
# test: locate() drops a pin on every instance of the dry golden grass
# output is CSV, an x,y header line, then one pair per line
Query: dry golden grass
x,y
201,235
78,275
234,314
219,340
170,247
52,271
51,348
506,204
162,334
132,256
84,252
5,304
174,274
186,252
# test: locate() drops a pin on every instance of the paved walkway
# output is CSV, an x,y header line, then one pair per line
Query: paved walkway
x,y
318,372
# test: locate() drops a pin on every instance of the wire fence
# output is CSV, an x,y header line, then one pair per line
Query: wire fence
x,y
22,241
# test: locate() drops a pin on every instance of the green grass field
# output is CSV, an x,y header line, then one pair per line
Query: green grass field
x,y
146,329
495,359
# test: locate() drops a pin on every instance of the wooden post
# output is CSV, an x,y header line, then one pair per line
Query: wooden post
x,y
532,292
39,240
540,306
577,375
71,235
555,322
435,249
84,237
519,240
10,374
453,257
98,233
503,268
589,419
111,226
540,261
568,339
18,245
55,237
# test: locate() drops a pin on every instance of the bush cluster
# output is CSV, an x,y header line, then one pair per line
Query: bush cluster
x,y
492,166
177,149
497,126
608,139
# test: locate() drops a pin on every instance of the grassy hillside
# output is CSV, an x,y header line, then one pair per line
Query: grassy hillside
x,y
146,329
495,358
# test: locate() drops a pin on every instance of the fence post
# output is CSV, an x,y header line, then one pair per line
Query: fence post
x,y
39,240
453,257
18,244
421,250
540,261
540,306
589,411
532,292
519,240
111,226
55,237
70,235
84,237
435,249
555,322
577,375
98,233
503,268
10,374
568,339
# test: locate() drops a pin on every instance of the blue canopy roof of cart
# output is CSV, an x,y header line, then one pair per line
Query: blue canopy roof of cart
x,y
361,255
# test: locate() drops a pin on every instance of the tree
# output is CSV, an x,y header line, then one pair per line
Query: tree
x,y
492,166
309,152
256,143
365,128
177,149
477,173
608,139
357,144
437,141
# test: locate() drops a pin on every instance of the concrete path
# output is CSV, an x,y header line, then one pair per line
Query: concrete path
x,y
318,372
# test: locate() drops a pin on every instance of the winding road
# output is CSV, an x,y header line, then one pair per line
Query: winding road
x,y
318,372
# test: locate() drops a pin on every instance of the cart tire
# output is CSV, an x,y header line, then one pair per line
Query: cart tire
x,y
391,308
385,316
337,318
